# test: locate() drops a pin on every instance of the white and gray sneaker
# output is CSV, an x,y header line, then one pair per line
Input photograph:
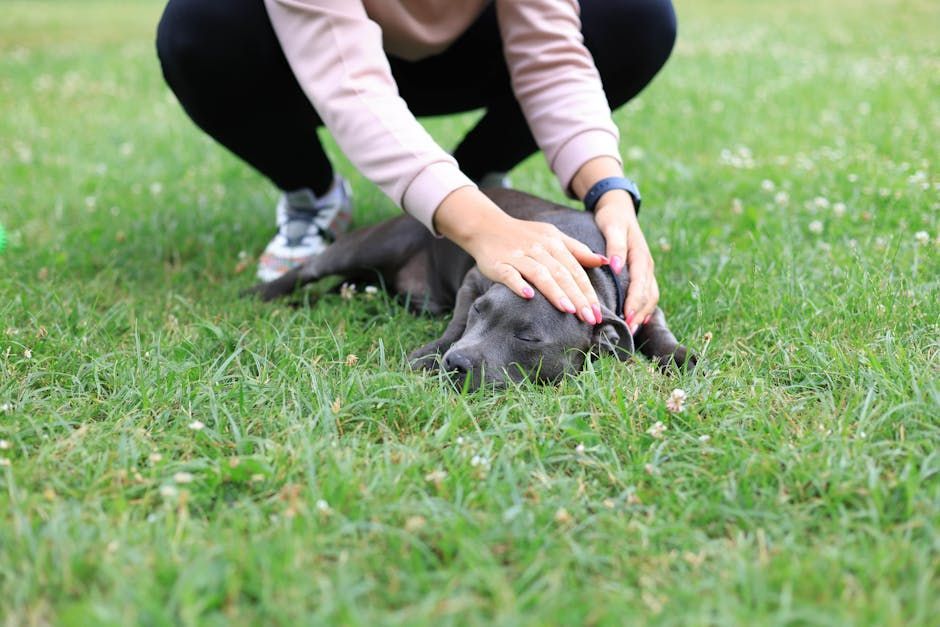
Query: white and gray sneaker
x,y
306,225
495,179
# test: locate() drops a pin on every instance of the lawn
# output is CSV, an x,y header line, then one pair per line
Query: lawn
x,y
171,453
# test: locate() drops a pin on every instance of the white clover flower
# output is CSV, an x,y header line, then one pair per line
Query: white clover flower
x,y
704,438
821,202
197,425
767,185
839,209
479,460
676,401
782,198
737,207
435,476
415,523
347,291
562,516
816,227
168,491
4,445
922,237
156,188
183,477
323,506
579,449
4,462
635,153
155,457
657,430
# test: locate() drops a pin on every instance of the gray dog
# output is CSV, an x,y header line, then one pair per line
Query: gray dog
x,y
494,335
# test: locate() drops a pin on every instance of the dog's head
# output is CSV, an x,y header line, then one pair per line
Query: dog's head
x,y
508,338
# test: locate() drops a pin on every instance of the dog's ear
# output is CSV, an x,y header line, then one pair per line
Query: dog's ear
x,y
612,336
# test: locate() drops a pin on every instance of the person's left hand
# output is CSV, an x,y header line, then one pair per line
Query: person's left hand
x,y
616,218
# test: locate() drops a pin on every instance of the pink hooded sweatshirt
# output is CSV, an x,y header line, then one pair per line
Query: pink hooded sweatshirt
x,y
337,50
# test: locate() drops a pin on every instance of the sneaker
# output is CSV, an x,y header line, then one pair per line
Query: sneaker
x,y
306,225
495,179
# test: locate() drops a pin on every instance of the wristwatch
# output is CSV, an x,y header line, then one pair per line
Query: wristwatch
x,y
612,182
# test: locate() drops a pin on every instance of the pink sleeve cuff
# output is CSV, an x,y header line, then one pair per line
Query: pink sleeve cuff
x,y
428,190
579,150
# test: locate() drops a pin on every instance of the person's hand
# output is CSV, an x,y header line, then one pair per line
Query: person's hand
x,y
521,254
616,218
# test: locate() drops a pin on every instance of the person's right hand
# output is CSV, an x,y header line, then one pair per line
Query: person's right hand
x,y
521,253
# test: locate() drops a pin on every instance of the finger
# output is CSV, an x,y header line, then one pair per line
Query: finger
x,y
616,237
652,300
580,292
540,276
583,253
637,293
510,277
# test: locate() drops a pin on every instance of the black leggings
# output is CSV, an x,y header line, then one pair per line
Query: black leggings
x,y
224,63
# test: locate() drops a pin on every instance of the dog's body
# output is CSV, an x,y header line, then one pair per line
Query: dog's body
x,y
493,334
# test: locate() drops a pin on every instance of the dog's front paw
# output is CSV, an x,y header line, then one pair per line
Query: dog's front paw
x,y
426,358
681,358
427,363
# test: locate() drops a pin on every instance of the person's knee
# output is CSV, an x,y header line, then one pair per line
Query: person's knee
x,y
182,36
643,29
661,21
650,23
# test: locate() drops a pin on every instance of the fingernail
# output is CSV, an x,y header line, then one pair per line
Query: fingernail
x,y
587,315
616,264
647,319
630,315
604,258
597,313
528,292
567,305
633,329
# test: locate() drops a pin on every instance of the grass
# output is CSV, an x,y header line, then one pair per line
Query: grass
x,y
799,486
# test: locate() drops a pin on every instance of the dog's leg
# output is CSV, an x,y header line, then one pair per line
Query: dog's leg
x,y
382,246
656,341
428,356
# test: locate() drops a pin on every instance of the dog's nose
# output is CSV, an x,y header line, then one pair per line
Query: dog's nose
x,y
457,362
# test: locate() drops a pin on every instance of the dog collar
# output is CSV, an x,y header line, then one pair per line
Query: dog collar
x,y
619,288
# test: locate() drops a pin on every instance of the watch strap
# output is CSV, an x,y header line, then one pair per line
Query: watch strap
x,y
605,185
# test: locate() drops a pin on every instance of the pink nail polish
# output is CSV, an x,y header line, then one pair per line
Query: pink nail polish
x,y
567,305
598,318
587,315
604,259
616,264
630,315
633,329
528,292
647,319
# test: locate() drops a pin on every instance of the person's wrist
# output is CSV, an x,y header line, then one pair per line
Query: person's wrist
x,y
614,197
465,214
